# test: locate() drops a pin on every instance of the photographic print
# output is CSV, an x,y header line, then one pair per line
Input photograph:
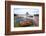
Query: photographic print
x,y
24,17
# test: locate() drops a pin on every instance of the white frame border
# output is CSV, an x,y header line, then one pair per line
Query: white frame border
x,y
25,28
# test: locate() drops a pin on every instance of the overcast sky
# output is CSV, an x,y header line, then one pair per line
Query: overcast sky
x,y
24,10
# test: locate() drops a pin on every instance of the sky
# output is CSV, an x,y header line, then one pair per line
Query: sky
x,y
24,10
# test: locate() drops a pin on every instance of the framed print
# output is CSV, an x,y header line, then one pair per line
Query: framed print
x,y
24,17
